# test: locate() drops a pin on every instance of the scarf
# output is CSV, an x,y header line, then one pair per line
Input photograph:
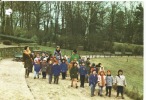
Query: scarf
x,y
102,80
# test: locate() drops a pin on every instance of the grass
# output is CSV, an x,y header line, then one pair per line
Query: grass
x,y
64,51
133,70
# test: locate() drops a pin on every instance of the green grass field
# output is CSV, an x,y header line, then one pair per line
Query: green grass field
x,y
133,70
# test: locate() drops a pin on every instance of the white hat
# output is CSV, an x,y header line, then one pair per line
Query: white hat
x,y
45,59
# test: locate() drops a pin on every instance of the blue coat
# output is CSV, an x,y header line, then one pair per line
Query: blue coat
x,y
37,67
63,67
82,70
56,70
93,80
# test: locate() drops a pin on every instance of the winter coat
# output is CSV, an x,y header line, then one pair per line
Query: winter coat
x,y
74,72
120,80
109,80
63,67
49,69
93,79
44,66
37,67
57,54
27,61
82,70
74,56
56,70
100,81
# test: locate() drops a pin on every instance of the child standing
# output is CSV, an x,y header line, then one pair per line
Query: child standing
x,y
49,71
37,66
44,65
83,72
74,74
93,81
120,82
63,67
101,82
56,71
109,83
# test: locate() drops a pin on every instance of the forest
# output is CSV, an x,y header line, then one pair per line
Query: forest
x,y
95,25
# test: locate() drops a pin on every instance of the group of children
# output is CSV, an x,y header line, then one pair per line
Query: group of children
x,y
91,73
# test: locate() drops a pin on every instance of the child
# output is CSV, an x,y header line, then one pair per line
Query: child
x,y
93,81
101,82
74,74
56,71
83,72
63,67
109,83
120,82
44,65
49,71
37,67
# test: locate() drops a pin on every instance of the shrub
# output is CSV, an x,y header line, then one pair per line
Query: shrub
x,y
138,50
7,42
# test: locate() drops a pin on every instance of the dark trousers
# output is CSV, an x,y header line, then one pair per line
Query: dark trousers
x,y
82,79
108,90
50,78
56,79
120,90
86,78
63,75
92,89
27,72
44,74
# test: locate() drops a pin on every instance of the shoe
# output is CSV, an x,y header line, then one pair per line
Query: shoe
x,y
34,77
123,98
71,85
76,86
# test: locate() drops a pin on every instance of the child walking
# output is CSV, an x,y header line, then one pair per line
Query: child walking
x,y
109,83
93,81
101,82
120,82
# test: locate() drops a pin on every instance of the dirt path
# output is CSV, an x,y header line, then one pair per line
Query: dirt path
x,y
13,86
12,82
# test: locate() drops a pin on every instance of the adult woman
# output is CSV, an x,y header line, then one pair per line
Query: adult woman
x,y
27,60
57,54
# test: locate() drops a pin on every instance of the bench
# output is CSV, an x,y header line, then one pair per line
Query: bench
x,y
18,56
128,53
107,53
117,53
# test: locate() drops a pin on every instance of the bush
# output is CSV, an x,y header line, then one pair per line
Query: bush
x,y
16,39
7,42
138,50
